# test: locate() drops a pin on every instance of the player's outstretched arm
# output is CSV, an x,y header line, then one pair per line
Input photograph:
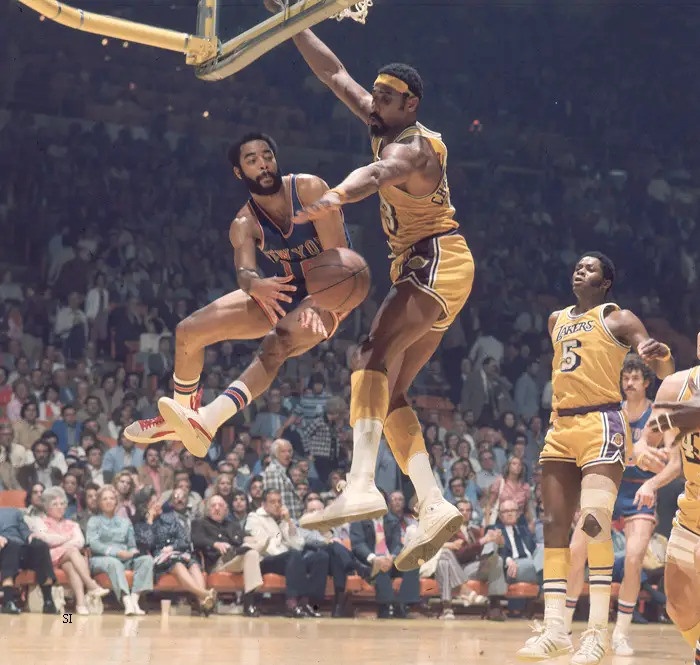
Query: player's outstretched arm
x,y
330,227
331,72
398,162
627,327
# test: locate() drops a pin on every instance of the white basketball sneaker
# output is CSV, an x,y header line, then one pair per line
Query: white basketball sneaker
x,y
438,521
550,642
187,424
358,500
155,429
593,646
621,645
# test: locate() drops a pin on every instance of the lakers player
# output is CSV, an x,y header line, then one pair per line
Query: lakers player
x,y
682,573
585,449
636,504
432,273
269,253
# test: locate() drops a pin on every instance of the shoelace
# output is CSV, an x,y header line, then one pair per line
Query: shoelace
x,y
152,422
591,643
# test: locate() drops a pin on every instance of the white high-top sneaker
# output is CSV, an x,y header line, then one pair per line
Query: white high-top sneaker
x,y
550,642
358,500
187,425
593,646
438,521
621,645
155,429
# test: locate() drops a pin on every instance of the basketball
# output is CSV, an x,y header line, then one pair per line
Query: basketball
x,y
337,279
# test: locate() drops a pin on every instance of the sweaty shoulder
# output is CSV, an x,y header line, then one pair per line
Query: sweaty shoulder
x,y
553,320
243,227
310,187
671,386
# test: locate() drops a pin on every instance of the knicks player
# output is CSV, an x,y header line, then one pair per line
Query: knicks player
x,y
681,419
636,504
432,273
269,253
585,450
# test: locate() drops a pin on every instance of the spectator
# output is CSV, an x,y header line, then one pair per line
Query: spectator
x,y
125,488
97,310
90,505
272,524
41,470
161,364
197,480
193,502
527,392
94,470
34,506
240,510
27,428
321,437
153,473
376,543
222,544
313,401
71,327
511,487
113,544
20,396
124,454
109,395
19,550
163,536
275,477
93,411
255,493
471,555
271,419
487,476
68,429
71,485
50,407
65,541
11,451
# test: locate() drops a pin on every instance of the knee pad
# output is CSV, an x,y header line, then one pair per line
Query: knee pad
x,y
596,513
404,436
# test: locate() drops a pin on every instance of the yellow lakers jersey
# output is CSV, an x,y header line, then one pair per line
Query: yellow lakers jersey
x,y
406,219
587,360
689,501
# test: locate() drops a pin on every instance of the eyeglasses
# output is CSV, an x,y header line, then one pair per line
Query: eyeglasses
x,y
510,510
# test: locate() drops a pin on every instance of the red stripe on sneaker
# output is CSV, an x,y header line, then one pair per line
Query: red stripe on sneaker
x,y
196,425
167,433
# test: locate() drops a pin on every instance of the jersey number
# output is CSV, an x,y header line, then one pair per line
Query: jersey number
x,y
691,448
299,272
388,214
570,360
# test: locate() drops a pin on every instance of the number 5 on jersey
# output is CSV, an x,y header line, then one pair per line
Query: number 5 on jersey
x,y
570,360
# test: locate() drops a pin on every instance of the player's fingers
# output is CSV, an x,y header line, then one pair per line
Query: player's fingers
x,y
287,287
284,280
670,406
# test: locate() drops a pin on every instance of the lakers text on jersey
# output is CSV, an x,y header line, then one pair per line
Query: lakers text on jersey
x,y
688,514
588,425
422,234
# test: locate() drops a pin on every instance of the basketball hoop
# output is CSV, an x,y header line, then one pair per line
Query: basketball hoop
x,y
357,12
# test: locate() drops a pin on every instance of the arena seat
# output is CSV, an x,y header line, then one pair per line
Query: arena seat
x,y
12,498
523,590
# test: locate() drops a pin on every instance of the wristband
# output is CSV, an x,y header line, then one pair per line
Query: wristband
x,y
342,194
668,352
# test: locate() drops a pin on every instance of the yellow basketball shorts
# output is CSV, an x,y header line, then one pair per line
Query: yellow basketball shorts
x,y
441,266
598,437
688,513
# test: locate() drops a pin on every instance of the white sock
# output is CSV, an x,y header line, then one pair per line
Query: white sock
x,y
366,434
234,399
554,606
421,475
624,616
185,391
569,612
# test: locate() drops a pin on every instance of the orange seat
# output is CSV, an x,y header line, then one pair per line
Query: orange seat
x,y
354,584
12,498
169,582
429,587
273,583
61,577
523,590
226,582
25,578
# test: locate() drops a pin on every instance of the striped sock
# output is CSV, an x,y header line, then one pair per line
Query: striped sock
x,y
569,612
234,399
624,616
185,391
600,565
556,570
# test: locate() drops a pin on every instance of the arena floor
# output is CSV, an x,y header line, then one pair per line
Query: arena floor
x,y
169,640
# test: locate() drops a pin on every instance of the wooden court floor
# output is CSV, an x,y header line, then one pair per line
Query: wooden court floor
x,y
34,639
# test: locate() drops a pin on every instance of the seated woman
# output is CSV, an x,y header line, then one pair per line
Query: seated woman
x,y
124,484
512,487
164,536
113,544
65,540
71,486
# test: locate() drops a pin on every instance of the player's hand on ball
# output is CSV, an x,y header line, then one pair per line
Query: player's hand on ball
x,y
310,319
645,496
328,202
271,291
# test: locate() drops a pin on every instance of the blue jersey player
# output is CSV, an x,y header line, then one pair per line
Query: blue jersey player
x,y
269,254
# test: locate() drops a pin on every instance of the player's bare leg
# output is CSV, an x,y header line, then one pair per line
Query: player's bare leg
x,y
287,339
561,487
638,531
438,518
233,316
575,582
682,584
406,316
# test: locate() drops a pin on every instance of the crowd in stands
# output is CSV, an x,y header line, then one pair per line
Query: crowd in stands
x,y
114,205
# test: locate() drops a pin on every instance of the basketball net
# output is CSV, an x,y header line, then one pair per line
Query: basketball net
x,y
357,12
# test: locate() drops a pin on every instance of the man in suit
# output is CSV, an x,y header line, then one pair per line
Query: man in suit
x,y
161,364
376,543
223,546
20,550
153,473
67,429
518,547
40,470
124,454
